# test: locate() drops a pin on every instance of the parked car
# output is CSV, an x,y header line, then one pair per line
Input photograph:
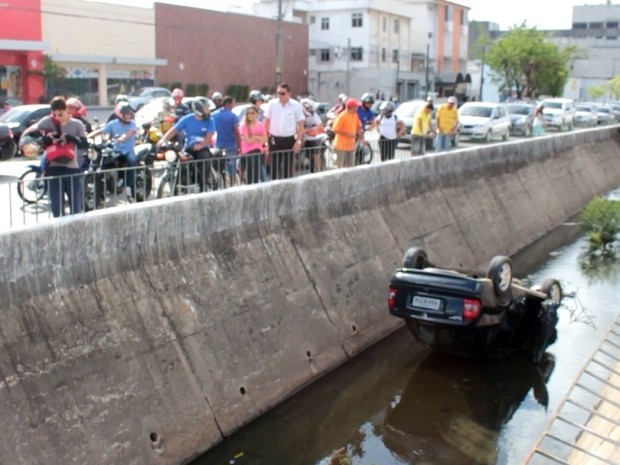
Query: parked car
x,y
406,112
147,94
484,120
478,314
604,114
521,116
585,115
615,109
23,116
559,113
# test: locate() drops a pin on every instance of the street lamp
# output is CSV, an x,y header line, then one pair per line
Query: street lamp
x,y
484,49
428,51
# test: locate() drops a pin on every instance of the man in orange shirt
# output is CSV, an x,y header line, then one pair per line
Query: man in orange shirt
x,y
347,128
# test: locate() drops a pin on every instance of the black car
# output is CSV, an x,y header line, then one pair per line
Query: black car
x,y
23,116
521,118
477,314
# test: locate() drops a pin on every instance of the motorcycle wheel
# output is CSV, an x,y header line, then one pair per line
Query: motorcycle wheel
x,y
364,154
166,188
94,194
29,188
144,184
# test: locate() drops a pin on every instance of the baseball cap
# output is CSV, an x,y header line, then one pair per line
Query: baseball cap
x,y
352,103
452,100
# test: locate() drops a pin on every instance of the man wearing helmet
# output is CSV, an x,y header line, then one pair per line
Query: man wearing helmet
x,y
77,110
364,112
119,99
256,98
313,126
217,98
180,109
123,131
199,129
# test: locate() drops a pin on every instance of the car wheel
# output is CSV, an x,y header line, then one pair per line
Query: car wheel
x,y
415,258
487,136
506,135
500,273
553,289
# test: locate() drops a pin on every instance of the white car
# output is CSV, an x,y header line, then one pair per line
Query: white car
x,y
585,115
484,121
559,113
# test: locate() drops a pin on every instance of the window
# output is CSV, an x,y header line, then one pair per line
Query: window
x,y
580,25
357,54
395,56
324,24
463,17
312,19
312,52
596,25
612,25
356,20
396,26
448,13
383,55
384,24
325,54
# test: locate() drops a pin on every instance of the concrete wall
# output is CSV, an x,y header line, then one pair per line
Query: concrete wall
x,y
143,335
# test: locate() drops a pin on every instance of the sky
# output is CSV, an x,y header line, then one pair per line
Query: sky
x,y
543,14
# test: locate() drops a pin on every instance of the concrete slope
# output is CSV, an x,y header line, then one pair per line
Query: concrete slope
x,y
145,335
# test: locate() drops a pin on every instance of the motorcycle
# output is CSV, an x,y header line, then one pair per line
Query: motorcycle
x,y
363,150
105,176
183,174
8,147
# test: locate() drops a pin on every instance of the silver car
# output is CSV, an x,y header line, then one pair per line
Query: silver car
x,y
484,121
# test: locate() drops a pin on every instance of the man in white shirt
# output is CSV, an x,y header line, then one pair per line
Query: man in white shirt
x,y
284,122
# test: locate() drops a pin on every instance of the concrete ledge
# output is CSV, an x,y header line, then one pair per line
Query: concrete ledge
x,y
145,335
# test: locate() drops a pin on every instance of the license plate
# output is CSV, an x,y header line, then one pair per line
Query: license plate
x,y
426,303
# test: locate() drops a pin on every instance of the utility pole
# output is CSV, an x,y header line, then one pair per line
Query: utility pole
x,y
428,50
349,66
484,49
279,46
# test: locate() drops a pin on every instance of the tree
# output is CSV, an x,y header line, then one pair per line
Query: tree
x,y
526,62
596,92
51,72
613,87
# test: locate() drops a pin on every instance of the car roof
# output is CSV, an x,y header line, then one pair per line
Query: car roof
x,y
482,104
24,111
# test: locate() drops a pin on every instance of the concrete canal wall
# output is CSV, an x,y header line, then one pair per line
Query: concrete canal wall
x,y
143,335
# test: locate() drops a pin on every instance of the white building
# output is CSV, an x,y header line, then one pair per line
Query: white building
x,y
391,48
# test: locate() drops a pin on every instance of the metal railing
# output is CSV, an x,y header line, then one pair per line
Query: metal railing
x,y
29,200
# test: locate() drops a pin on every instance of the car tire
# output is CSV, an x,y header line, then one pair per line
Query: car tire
x,y
506,135
487,136
552,288
415,258
500,274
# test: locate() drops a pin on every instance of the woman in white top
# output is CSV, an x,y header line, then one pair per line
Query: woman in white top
x,y
390,130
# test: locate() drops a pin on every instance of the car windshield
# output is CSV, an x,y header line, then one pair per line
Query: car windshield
x,y
144,92
584,108
15,115
602,110
554,105
475,110
518,109
408,109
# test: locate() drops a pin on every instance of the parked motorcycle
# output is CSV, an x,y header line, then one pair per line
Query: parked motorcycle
x,y
183,174
105,176
8,148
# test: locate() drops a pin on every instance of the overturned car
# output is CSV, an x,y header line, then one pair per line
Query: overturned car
x,y
488,314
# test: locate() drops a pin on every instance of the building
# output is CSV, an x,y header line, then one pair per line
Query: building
x,y
398,48
21,50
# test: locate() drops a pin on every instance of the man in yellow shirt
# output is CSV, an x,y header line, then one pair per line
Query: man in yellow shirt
x,y
447,124
421,129
347,128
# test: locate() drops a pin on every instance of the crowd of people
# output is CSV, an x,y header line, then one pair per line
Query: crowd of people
x,y
263,142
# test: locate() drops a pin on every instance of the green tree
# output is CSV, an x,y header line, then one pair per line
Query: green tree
x,y
601,220
596,92
613,87
526,62
51,72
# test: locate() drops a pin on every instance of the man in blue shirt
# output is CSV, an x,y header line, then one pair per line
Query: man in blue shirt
x,y
228,138
199,128
123,131
364,112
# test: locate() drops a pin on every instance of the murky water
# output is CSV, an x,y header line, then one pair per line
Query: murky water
x,y
398,403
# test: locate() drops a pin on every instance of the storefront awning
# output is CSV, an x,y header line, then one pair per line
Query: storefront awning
x,y
109,60
24,45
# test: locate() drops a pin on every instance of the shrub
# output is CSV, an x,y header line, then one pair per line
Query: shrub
x,y
601,220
